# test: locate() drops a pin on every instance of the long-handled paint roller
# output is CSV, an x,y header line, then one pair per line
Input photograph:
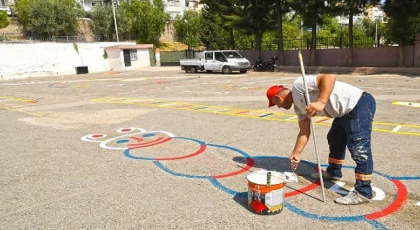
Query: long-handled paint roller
x,y
312,124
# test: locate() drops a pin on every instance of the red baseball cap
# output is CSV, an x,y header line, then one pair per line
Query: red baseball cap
x,y
271,92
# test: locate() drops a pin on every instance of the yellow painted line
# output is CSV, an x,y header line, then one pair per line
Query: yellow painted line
x,y
20,111
81,86
402,129
403,103
20,99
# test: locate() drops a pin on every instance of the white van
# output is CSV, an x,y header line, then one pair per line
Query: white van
x,y
225,61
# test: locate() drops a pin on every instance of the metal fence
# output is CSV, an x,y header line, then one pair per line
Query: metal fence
x,y
18,37
171,58
333,43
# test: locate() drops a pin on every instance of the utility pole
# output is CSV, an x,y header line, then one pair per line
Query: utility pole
x,y
115,20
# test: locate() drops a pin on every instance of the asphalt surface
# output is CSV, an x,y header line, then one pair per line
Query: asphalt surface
x,y
162,149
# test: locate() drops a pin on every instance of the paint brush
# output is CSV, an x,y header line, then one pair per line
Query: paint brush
x,y
291,176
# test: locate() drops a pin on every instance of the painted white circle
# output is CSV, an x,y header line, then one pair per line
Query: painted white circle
x,y
94,137
129,130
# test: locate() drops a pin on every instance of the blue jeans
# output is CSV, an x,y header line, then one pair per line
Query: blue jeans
x,y
354,132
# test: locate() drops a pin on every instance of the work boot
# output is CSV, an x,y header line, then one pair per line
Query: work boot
x,y
325,176
352,198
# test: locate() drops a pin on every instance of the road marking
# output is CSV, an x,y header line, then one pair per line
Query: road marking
x,y
397,128
338,187
19,99
403,103
385,127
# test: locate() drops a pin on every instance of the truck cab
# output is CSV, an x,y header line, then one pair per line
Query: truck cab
x,y
224,61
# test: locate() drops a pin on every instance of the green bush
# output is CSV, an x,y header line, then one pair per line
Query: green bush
x,y
4,20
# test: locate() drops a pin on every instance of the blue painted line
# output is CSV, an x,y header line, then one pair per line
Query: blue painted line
x,y
191,139
377,224
231,148
165,169
127,154
405,178
266,115
218,185
323,218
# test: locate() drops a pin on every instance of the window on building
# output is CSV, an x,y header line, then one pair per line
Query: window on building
x,y
133,55
3,2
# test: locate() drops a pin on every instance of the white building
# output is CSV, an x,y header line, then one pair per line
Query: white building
x,y
173,7
178,7
374,13
4,6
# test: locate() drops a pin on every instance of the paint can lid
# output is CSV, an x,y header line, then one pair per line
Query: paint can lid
x,y
260,177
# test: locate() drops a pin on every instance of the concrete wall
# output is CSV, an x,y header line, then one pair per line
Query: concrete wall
x,y
115,59
416,51
47,59
362,57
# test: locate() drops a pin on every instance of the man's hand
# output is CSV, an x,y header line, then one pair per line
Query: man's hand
x,y
294,161
314,108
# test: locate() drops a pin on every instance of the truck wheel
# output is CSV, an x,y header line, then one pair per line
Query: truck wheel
x,y
226,70
242,71
193,69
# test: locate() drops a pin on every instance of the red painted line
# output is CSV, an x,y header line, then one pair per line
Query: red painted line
x,y
249,164
242,112
151,143
399,201
202,148
312,186
322,120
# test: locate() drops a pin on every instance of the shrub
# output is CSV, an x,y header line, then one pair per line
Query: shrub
x,y
4,20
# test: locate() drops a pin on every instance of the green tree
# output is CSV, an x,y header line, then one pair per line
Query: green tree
x,y
404,22
188,28
351,8
4,20
103,23
43,19
282,7
255,18
125,22
311,12
148,21
227,11
212,34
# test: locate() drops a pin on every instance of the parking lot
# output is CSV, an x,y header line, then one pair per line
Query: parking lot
x,y
163,149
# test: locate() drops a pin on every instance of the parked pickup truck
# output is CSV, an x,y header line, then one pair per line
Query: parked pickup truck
x,y
217,60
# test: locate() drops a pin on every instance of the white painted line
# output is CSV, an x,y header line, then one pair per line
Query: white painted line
x,y
380,195
291,118
397,128
338,188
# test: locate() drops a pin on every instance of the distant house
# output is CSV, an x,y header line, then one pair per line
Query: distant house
x,y
5,6
374,13
89,4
